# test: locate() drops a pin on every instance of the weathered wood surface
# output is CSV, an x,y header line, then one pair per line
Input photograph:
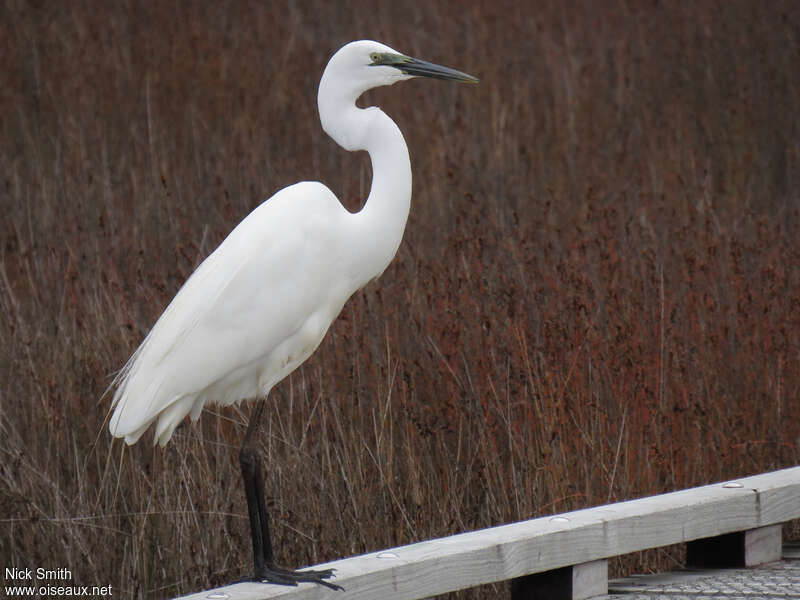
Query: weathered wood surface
x,y
509,551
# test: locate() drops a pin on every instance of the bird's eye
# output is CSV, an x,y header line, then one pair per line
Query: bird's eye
x,y
375,57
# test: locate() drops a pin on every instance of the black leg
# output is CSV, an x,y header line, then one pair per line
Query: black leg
x,y
254,491
269,557
263,556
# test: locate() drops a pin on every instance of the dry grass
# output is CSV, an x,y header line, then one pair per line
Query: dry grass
x,y
597,298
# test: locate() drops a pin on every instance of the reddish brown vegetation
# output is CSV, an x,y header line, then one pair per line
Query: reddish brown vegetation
x,y
597,298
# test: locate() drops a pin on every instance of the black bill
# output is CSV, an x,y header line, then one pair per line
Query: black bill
x,y
420,68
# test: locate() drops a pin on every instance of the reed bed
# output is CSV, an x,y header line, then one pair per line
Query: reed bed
x,y
597,297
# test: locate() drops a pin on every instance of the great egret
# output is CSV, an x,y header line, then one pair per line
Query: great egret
x,y
261,303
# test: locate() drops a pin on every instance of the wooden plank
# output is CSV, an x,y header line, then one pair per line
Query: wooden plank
x,y
763,545
590,579
509,551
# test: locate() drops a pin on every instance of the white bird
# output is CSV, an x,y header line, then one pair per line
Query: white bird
x,y
261,303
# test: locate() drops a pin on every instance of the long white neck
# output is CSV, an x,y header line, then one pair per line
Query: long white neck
x,y
379,225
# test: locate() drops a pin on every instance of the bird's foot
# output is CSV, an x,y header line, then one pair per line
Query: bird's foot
x,y
281,576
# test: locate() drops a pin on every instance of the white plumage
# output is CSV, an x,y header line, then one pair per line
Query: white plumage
x,y
255,309
261,303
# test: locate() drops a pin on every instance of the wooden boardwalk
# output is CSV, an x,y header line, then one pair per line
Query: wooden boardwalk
x,y
733,523
780,579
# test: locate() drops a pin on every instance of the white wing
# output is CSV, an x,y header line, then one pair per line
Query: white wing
x,y
255,309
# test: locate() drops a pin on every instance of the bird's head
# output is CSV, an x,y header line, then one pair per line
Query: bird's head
x,y
362,65
358,67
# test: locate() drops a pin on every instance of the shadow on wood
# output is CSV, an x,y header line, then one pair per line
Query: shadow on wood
x,y
738,549
576,582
